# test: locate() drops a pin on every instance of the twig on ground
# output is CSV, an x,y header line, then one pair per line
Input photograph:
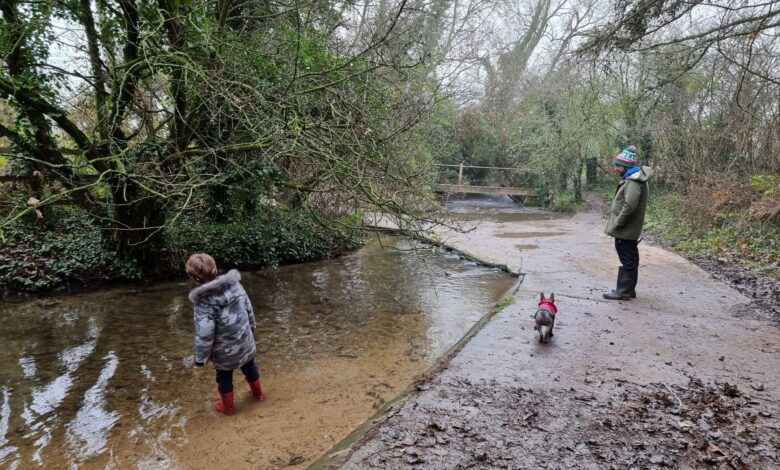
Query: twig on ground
x,y
679,402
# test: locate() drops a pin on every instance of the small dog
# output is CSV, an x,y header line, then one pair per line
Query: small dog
x,y
545,316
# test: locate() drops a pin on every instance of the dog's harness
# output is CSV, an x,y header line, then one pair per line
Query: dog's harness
x,y
549,306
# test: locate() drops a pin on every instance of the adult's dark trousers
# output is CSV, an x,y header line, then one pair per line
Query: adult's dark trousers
x,y
628,252
225,377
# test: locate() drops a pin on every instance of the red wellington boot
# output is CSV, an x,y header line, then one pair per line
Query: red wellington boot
x,y
257,390
225,405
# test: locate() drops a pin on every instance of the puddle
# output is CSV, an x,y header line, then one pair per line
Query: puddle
x,y
527,234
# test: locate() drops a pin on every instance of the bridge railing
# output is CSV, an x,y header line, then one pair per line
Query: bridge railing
x,y
461,166
461,188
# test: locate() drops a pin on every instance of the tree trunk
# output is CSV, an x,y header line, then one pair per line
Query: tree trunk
x,y
137,228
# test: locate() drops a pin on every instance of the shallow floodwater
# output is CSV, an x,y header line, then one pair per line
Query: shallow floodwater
x,y
105,379
501,209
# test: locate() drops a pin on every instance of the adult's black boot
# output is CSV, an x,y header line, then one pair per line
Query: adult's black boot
x,y
633,276
623,286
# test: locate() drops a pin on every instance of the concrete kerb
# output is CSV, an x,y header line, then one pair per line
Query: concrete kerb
x,y
683,326
466,254
339,452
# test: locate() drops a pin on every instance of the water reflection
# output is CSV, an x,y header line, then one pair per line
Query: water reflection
x,y
88,431
106,379
6,450
40,412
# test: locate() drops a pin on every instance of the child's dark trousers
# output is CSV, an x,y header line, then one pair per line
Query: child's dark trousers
x,y
225,377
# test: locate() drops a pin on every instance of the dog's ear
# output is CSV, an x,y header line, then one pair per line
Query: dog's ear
x,y
552,297
541,297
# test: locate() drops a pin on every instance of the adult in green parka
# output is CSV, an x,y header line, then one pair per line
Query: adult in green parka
x,y
626,218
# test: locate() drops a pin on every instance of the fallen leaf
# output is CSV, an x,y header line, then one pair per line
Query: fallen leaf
x,y
713,449
685,424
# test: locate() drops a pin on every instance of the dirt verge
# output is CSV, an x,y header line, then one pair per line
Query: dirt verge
x,y
763,290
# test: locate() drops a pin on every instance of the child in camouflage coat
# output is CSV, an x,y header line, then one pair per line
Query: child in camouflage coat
x,y
224,323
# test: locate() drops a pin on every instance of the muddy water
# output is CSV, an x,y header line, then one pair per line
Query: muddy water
x,y
105,379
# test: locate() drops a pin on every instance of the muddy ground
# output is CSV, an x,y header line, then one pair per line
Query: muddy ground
x,y
685,376
652,426
763,290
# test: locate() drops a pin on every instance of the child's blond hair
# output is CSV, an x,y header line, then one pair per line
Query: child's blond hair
x,y
201,268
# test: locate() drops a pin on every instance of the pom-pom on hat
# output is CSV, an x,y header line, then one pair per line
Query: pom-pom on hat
x,y
627,157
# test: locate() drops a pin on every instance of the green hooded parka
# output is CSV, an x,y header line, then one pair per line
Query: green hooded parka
x,y
627,214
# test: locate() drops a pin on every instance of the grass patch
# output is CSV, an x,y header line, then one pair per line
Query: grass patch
x,y
566,202
502,304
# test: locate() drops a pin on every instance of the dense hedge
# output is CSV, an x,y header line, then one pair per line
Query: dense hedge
x,y
268,239
71,253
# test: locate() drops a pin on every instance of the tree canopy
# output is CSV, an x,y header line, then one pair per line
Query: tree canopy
x,y
131,109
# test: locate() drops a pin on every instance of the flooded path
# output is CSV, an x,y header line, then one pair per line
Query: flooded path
x,y
105,379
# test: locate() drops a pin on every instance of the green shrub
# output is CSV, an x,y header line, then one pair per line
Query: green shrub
x,y
32,259
71,252
270,238
765,184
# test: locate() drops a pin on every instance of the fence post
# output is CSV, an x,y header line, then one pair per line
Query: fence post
x,y
590,170
460,174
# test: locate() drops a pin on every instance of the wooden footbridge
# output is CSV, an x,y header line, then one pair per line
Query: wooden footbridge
x,y
493,190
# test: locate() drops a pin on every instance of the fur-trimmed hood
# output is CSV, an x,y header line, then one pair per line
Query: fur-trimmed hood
x,y
220,289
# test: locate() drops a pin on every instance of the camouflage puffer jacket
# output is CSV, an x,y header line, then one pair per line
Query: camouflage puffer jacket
x,y
224,322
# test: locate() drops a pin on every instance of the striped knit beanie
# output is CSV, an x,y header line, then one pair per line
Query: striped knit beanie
x,y
627,157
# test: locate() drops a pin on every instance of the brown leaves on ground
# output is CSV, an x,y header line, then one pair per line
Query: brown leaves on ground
x,y
655,426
